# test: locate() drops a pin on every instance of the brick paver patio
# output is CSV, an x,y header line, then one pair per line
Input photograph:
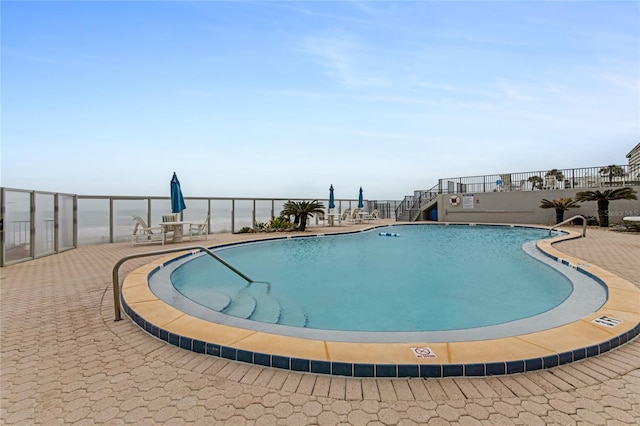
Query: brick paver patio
x,y
64,360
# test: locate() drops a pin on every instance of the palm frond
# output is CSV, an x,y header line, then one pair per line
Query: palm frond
x,y
607,195
559,204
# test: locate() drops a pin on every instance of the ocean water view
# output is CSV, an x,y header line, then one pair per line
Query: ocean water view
x,y
39,223
45,223
228,215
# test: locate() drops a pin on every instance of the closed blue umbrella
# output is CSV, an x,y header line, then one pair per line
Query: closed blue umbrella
x,y
177,201
332,201
360,200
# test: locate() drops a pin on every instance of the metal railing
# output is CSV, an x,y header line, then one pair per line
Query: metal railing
x,y
542,180
564,222
193,249
412,205
35,224
40,223
107,219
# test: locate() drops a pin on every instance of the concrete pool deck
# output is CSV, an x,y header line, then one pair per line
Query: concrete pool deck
x,y
64,360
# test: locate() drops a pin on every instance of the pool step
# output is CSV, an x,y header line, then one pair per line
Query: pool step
x,y
255,303
242,305
214,299
292,314
267,307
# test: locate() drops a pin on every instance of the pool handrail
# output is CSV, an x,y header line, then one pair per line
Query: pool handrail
x,y
584,224
193,249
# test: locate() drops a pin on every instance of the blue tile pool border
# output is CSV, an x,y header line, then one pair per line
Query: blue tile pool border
x,y
363,370
386,370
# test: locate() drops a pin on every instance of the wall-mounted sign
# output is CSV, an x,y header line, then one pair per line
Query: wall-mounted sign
x,y
467,201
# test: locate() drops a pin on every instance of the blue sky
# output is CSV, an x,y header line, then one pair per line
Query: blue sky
x,y
282,99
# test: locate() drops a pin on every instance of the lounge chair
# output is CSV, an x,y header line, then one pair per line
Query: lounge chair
x,y
199,231
356,217
550,182
631,223
375,215
506,182
142,233
345,216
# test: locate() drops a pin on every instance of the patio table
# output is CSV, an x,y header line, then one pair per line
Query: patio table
x,y
176,227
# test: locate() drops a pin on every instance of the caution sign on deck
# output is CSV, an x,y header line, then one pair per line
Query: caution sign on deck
x,y
424,353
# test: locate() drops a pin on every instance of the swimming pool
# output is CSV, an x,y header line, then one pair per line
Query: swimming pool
x,y
540,341
422,278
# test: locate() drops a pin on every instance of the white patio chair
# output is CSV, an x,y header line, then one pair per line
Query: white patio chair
x,y
550,182
345,216
356,217
142,233
506,182
199,231
172,218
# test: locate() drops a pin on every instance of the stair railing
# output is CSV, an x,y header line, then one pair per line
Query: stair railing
x,y
414,203
194,250
584,224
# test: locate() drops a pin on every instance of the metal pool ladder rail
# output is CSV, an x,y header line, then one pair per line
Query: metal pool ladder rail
x,y
584,224
194,249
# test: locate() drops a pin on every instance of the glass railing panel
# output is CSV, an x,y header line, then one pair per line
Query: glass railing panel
x,y
196,210
278,206
65,225
93,220
160,207
123,212
243,214
263,211
220,216
45,224
17,226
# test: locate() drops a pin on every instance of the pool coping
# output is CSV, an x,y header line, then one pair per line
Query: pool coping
x,y
586,296
616,322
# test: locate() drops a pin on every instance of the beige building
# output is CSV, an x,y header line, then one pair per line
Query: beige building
x,y
634,163
520,204
524,207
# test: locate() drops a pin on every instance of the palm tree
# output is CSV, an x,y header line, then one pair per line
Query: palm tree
x,y
302,210
536,182
552,178
289,209
611,171
603,199
561,205
556,173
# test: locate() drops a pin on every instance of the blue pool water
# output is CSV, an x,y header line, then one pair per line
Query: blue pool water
x,y
429,278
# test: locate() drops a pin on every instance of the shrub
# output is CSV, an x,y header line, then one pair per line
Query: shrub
x,y
279,223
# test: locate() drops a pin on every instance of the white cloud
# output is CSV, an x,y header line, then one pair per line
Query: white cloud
x,y
342,58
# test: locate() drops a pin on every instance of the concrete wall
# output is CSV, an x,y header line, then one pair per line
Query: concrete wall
x,y
524,207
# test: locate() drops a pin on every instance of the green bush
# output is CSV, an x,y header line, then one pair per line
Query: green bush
x,y
279,223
